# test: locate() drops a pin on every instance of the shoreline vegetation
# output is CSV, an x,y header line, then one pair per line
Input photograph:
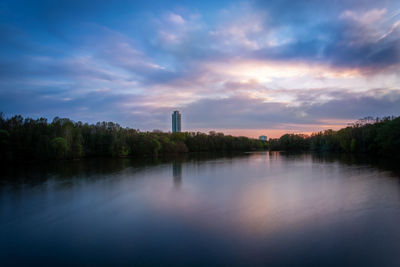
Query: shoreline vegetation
x,y
37,139
368,136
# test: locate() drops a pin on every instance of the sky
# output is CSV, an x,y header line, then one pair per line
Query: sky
x,y
238,67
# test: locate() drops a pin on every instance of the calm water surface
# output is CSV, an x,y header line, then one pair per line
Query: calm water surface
x,y
253,209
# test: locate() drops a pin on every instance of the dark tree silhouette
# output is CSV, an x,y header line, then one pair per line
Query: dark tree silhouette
x,y
65,139
380,136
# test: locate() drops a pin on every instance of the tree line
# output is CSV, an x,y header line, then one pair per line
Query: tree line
x,y
380,136
27,138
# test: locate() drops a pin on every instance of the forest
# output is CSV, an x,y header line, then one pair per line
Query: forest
x,y
37,139
380,136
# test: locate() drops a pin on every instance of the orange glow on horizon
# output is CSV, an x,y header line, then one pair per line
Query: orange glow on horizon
x,y
306,129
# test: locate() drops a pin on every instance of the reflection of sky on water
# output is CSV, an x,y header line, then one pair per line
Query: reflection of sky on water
x,y
254,209
258,198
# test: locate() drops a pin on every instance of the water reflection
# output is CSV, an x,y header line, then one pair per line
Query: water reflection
x,y
177,173
249,209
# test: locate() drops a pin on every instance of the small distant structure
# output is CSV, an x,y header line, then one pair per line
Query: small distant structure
x,y
263,138
176,122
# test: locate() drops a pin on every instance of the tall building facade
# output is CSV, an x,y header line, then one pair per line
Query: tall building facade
x,y
176,122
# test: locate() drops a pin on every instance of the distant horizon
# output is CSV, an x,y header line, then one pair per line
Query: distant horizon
x,y
245,67
251,133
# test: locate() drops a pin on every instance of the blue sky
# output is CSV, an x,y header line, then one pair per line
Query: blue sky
x,y
241,67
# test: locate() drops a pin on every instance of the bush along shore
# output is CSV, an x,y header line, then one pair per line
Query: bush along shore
x,y
37,139
377,137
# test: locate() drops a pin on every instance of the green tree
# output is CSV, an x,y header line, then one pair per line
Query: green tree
x,y
60,147
4,144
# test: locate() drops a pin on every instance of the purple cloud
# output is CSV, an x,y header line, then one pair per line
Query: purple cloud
x,y
231,65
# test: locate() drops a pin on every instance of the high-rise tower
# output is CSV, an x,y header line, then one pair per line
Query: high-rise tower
x,y
176,122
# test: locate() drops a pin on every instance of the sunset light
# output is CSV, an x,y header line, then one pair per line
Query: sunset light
x,y
121,61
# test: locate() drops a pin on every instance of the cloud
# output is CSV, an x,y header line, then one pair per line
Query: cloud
x,y
249,113
375,103
237,65
175,18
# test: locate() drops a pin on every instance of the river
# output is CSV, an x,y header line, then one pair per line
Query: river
x,y
264,208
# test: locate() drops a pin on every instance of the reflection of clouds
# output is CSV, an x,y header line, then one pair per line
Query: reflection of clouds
x,y
264,194
259,203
